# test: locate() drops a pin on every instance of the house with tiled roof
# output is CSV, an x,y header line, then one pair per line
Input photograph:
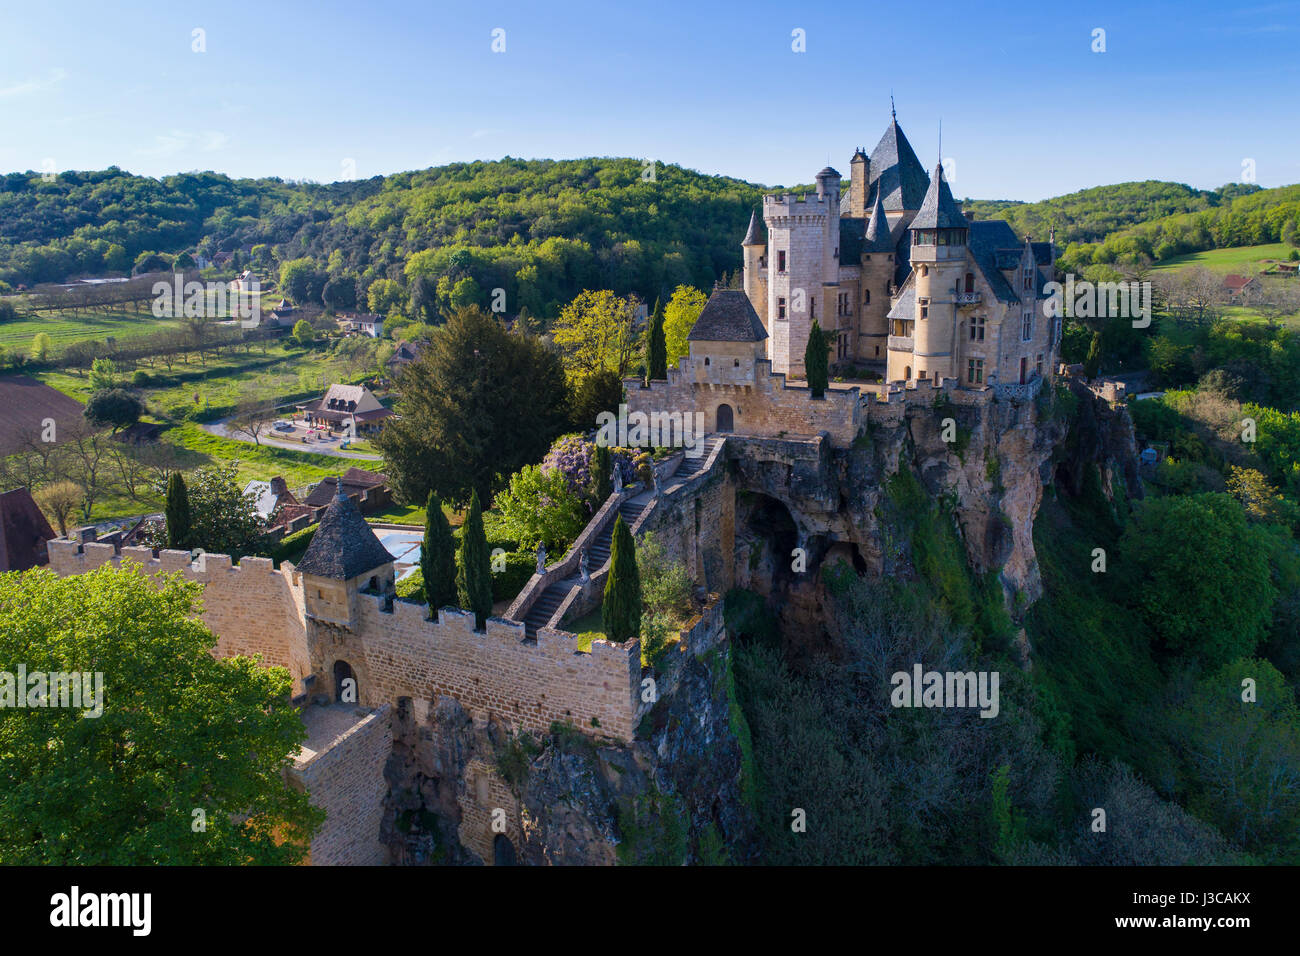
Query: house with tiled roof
x,y
347,406
900,280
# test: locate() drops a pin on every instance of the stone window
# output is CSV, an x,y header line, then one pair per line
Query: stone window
x,y
975,371
977,329
706,360
1038,365
812,307
1027,325
970,282
780,308
925,307
780,261
866,297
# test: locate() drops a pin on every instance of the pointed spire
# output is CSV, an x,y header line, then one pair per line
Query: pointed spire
x,y
877,238
754,237
939,210
892,112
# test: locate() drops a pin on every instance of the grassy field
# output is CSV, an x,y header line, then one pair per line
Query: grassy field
x,y
64,328
1228,260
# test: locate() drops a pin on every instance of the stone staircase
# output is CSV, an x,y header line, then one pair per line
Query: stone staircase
x,y
598,554
633,510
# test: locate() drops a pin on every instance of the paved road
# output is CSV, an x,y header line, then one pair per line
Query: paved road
x,y
220,429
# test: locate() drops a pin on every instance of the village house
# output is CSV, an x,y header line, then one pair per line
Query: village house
x,y
364,323
346,406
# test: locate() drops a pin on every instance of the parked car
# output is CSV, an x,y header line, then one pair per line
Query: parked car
x,y
283,426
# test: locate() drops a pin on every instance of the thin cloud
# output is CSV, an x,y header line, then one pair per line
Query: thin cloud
x,y
184,141
30,86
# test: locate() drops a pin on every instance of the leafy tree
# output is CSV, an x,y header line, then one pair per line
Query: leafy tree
x,y
656,347
601,392
540,506
103,374
340,293
620,611
180,526
1201,576
303,333
683,309
815,359
114,408
136,774
296,278
1240,759
41,346
223,520
386,297
474,574
438,557
478,404
594,333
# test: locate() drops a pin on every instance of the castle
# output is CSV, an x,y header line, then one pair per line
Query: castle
x,y
900,280
950,309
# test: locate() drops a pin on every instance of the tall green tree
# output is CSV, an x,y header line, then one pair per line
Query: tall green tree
x,y
177,512
620,611
604,476
816,360
476,406
474,576
123,786
221,518
656,347
438,557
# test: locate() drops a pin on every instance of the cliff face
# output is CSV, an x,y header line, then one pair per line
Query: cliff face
x,y
566,798
988,464
679,792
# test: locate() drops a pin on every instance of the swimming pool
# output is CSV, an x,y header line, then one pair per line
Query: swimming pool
x,y
404,546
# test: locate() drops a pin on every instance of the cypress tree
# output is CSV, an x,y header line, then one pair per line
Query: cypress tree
x,y
815,364
1092,365
656,346
621,609
474,576
177,512
604,475
438,557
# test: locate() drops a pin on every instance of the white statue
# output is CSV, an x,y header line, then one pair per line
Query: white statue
x,y
541,558
583,571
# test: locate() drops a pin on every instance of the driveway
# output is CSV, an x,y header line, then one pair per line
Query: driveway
x,y
268,437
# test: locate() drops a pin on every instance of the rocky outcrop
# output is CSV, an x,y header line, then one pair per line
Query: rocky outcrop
x,y
572,798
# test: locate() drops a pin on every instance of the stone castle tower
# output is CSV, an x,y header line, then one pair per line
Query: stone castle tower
x,y
902,283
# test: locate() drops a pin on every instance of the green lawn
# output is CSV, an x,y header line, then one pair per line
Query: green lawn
x,y
1229,260
64,328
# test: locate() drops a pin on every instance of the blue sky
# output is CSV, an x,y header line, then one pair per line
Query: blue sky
x,y
1185,91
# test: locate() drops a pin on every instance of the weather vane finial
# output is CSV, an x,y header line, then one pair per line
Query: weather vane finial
x,y
892,112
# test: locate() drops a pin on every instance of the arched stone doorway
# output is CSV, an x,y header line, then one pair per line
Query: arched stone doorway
x,y
343,672
726,420
503,851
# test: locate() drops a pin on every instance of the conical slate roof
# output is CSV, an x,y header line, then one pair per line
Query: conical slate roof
x,y
939,210
754,237
344,546
877,238
728,316
896,174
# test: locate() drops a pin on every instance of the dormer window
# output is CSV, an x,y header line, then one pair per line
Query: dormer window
x,y
706,360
